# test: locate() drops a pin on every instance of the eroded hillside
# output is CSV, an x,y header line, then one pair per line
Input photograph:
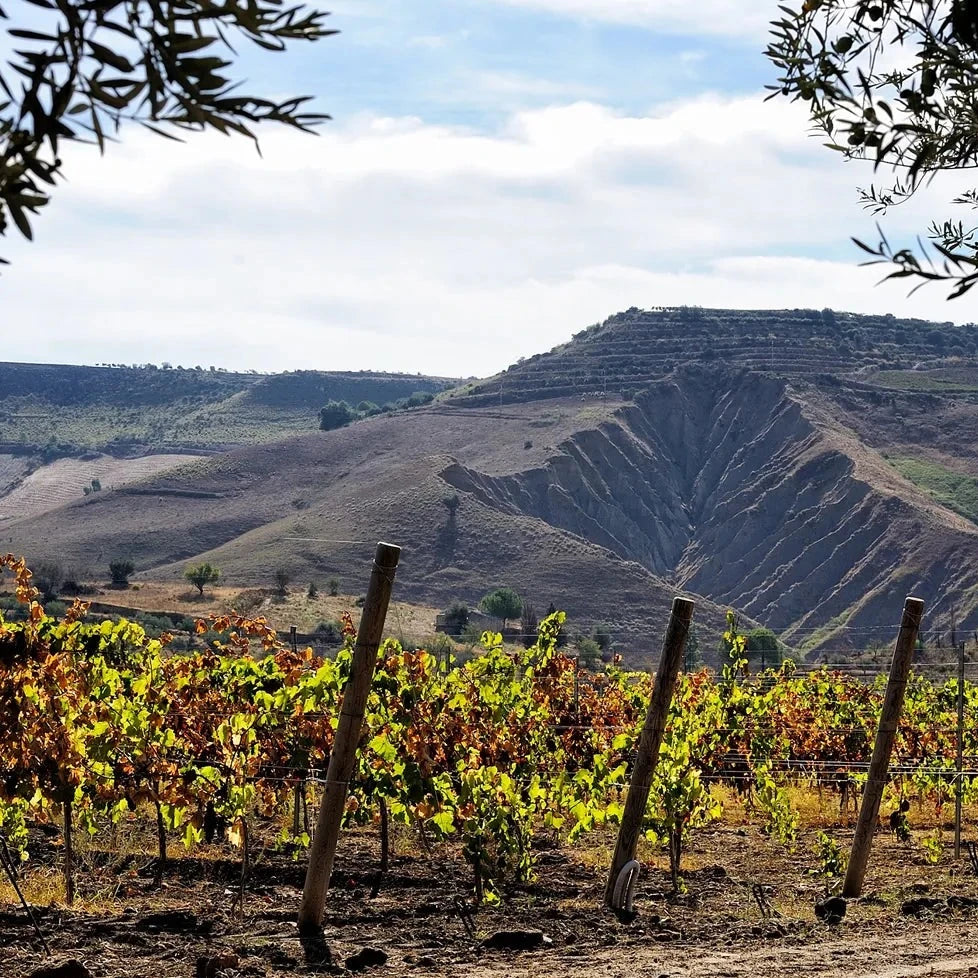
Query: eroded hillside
x,y
725,484
316,505
730,486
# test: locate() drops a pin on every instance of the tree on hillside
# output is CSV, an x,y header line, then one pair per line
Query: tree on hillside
x,y
419,398
456,617
529,625
763,646
894,83
601,633
83,67
121,571
336,414
200,575
48,578
451,502
691,653
282,580
502,603
588,652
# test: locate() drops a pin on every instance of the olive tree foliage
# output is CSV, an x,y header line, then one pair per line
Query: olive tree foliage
x,y
200,575
893,83
120,572
502,603
81,68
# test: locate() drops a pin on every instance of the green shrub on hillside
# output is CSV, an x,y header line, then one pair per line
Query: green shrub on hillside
x,y
456,617
336,414
120,572
588,651
763,647
502,603
330,632
48,578
282,580
951,489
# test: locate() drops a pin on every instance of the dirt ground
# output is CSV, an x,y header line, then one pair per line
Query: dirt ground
x,y
415,622
914,919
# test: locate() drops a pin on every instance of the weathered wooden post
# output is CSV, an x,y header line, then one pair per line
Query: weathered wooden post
x,y
896,687
342,758
650,741
959,757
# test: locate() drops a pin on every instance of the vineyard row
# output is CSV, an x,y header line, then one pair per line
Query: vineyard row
x,y
103,724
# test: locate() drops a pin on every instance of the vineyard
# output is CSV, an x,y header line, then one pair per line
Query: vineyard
x,y
66,480
496,763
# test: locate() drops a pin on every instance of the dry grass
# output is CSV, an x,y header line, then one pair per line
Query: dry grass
x,y
405,621
63,481
44,886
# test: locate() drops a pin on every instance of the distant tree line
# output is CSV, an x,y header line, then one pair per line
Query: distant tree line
x,y
337,414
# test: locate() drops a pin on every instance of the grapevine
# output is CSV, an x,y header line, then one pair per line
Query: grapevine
x,y
104,724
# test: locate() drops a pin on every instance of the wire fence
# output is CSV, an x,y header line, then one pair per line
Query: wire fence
x,y
940,656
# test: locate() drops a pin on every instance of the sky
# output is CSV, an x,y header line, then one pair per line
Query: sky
x,y
497,175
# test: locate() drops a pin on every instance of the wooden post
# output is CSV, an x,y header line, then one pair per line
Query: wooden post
x,y
650,741
959,759
896,688
342,758
69,850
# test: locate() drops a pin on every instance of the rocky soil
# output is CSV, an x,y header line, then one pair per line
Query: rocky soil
x,y
748,910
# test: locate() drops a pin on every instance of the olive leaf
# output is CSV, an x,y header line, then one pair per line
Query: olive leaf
x,y
93,65
892,83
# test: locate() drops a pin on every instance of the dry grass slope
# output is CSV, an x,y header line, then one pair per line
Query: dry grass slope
x,y
63,481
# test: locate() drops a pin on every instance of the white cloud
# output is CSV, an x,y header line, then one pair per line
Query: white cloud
x,y
506,83
718,17
389,243
433,42
437,42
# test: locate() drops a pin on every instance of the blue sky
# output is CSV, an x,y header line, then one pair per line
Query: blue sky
x,y
472,63
497,175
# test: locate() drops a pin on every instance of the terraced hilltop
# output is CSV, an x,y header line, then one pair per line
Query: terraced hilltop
x,y
630,349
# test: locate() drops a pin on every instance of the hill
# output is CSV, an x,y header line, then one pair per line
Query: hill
x,y
811,493
317,504
634,348
58,410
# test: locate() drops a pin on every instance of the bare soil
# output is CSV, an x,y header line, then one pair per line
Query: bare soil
x,y
128,926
